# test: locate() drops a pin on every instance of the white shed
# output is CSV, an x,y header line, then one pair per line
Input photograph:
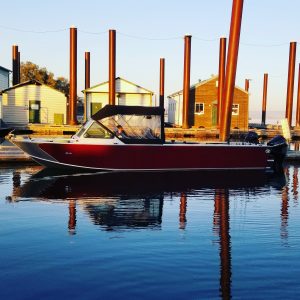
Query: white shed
x,y
127,93
33,102
4,84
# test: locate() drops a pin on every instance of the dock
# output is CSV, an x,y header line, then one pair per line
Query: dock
x,y
12,154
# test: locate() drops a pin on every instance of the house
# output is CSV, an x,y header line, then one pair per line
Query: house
x,y
127,93
4,84
203,106
33,102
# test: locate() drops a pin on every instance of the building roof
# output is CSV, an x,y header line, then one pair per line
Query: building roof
x,y
29,82
4,69
202,83
118,79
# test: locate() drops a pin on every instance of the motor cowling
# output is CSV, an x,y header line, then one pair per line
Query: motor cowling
x,y
251,137
278,148
277,140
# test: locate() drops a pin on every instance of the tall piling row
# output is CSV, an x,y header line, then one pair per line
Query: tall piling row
x,y
290,83
231,65
112,67
186,81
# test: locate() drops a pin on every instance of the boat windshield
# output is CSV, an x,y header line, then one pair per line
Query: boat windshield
x,y
143,127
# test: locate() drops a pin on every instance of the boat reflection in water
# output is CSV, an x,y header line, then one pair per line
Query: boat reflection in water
x,y
116,201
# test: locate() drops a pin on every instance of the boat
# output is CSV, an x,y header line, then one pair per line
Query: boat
x,y
132,138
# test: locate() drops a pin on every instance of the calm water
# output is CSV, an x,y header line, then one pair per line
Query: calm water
x,y
196,236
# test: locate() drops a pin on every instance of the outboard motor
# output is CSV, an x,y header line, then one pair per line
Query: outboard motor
x,y
277,140
278,148
251,137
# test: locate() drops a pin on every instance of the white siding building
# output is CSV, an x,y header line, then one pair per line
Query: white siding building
x,y
127,93
33,102
4,84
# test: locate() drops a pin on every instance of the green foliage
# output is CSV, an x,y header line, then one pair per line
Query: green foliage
x,y
31,71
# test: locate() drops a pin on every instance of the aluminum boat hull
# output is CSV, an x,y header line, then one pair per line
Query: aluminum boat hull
x,y
161,157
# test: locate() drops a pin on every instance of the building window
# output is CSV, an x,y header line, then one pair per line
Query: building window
x,y
199,108
235,109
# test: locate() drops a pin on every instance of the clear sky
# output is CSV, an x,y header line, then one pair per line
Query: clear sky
x,y
148,30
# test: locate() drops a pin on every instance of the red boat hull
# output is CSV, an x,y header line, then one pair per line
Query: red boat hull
x,y
150,157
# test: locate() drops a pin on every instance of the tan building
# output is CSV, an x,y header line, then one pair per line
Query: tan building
x,y
203,106
33,102
127,93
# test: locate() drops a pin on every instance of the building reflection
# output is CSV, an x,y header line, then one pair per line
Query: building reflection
x,y
126,213
222,226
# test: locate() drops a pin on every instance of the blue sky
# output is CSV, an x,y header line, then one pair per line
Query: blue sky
x,y
148,30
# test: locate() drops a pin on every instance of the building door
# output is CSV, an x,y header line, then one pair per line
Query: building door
x,y
34,111
95,106
214,115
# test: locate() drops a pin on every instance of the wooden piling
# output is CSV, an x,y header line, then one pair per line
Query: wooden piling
x,y
298,101
222,62
162,93
87,66
112,67
15,65
247,81
290,83
186,81
73,77
264,101
231,65
87,81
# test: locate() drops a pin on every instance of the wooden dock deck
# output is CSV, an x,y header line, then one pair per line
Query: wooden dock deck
x,y
9,154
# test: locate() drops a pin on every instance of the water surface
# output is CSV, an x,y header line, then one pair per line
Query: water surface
x,y
181,236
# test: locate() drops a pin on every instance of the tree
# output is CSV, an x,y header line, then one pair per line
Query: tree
x,y
62,84
31,71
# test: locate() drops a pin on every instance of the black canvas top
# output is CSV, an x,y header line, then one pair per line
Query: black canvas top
x,y
112,110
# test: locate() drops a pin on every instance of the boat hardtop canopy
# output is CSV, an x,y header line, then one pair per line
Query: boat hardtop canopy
x,y
112,110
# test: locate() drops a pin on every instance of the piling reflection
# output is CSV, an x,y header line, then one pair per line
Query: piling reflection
x,y
72,217
222,226
295,185
284,208
182,211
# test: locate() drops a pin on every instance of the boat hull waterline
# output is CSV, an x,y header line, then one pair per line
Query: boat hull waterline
x,y
161,157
